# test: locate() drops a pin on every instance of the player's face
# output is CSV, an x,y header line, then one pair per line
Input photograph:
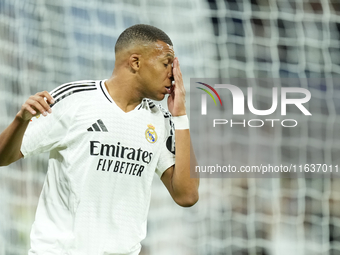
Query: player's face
x,y
156,73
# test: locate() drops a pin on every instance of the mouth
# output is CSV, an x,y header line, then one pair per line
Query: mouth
x,y
168,88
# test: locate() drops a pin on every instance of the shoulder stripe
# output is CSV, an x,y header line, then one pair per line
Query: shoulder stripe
x,y
101,86
166,113
63,86
71,87
150,103
70,93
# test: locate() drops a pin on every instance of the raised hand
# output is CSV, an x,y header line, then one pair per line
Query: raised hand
x,y
35,105
176,99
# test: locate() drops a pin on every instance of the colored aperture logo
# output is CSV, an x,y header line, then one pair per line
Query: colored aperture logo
x,y
209,93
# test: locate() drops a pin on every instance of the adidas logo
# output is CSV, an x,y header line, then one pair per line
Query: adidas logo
x,y
99,128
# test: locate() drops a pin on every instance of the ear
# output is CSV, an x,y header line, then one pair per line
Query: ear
x,y
134,62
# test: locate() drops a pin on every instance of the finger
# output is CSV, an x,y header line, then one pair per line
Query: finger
x,y
29,109
178,68
37,105
175,67
46,95
42,100
177,71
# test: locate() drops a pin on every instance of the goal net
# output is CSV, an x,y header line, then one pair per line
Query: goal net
x,y
46,43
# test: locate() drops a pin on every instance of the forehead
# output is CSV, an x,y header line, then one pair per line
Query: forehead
x,y
163,50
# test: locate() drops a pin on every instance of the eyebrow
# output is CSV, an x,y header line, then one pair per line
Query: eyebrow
x,y
169,55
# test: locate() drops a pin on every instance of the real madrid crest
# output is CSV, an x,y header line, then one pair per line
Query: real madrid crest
x,y
150,134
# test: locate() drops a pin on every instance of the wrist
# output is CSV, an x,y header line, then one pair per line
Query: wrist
x,y
181,122
179,114
19,118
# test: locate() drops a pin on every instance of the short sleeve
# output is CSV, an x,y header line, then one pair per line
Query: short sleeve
x,y
167,153
46,133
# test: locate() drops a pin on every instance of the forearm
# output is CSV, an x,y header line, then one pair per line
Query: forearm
x,y
185,180
11,137
10,141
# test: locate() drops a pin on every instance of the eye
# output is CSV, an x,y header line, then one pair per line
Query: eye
x,y
166,65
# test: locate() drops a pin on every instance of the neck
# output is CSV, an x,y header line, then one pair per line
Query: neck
x,y
124,91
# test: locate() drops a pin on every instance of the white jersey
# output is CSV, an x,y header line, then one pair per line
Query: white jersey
x,y
96,194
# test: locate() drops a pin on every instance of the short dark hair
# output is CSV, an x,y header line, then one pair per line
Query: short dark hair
x,y
141,33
